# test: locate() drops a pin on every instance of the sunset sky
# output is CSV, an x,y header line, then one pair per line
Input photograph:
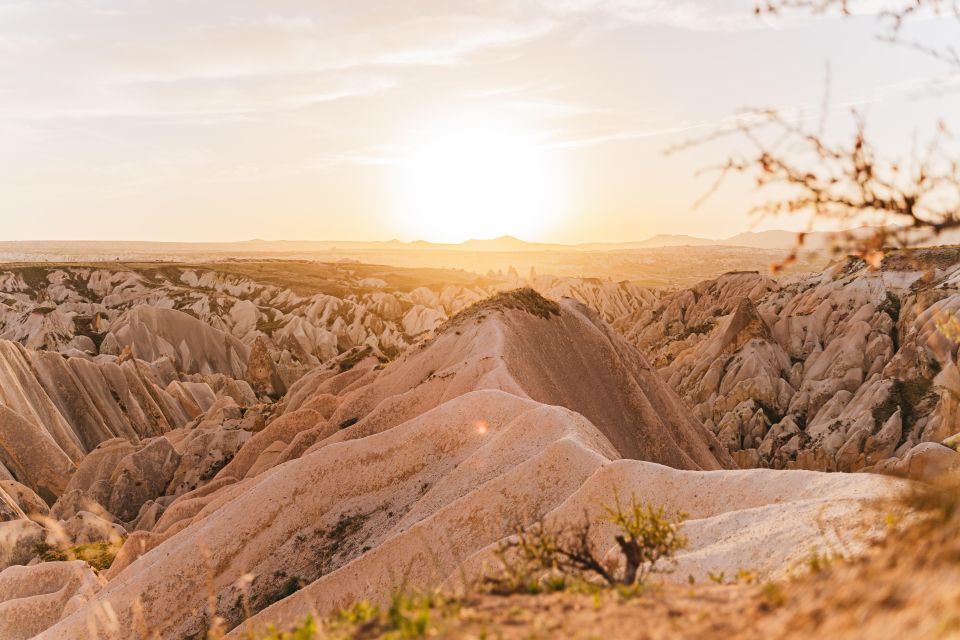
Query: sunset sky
x,y
347,119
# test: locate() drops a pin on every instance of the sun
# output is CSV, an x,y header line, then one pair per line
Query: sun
x,y
476,179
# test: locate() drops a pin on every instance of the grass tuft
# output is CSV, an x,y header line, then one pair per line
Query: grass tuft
x,y
99,555
526,300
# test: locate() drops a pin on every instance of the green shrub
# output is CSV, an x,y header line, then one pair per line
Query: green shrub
x,y
360,613
307,631
773,595
939,502
99,555
540,559
819,562
410,615
647,536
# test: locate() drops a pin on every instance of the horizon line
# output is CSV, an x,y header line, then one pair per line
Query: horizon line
x,y
397,241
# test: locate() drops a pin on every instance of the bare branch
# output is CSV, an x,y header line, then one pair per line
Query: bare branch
x,y
896,17
806,174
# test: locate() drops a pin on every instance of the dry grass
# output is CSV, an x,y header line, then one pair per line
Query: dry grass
x,y
526,300
542,558
906,586
99,555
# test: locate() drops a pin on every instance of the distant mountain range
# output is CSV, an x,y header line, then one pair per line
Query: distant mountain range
x,y
775,239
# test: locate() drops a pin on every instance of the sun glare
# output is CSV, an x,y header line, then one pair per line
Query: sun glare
x,y
476,179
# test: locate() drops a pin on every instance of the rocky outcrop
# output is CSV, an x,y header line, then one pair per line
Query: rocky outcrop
x,y
54,410
32,456
203,453
835,371
33,599
572,359
926,462
19,540
86,528
262,373
140,476
18,501
193,346
207,319
511,413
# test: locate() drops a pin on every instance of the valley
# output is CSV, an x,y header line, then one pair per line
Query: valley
x,y
205,423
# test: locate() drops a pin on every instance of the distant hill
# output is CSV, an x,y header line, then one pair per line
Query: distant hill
x,y
507,244
659,240
80,250
758,239
820,239
765,239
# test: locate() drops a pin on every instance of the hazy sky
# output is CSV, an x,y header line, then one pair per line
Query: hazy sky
x,y
351,119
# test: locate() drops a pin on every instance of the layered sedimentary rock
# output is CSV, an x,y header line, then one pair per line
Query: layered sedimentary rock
x,y
151,333
241,432
845,370
34,598
206,319
519,408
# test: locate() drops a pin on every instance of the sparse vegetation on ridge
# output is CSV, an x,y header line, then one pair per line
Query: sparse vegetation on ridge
x,y
354,357
536,560
525,299
99,555
544,558
920,556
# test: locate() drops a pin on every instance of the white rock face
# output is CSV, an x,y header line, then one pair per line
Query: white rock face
x,y
421,319
34,598
410,439
848,368
151,333
121,389
517,410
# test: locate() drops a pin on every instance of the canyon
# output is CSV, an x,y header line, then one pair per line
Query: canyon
x,y
261,440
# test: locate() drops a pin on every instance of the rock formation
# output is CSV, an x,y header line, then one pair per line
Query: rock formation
x,y
519,408
298,446
845,370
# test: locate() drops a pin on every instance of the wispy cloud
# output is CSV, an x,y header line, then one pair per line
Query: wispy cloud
x,y
110,107
695,15
78,62
633,134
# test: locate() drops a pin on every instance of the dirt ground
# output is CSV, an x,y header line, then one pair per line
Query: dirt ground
x,y
907,586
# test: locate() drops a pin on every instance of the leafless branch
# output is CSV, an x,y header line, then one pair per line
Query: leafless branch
x,y
896,18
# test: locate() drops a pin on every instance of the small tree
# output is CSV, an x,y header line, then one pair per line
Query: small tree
x,y
539,557
647,536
